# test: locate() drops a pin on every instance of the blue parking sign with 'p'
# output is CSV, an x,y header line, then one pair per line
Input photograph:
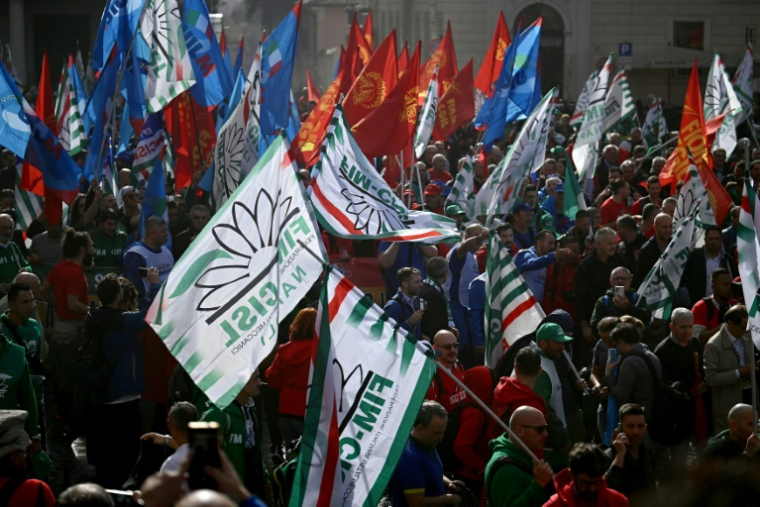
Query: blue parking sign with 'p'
x,y
625,49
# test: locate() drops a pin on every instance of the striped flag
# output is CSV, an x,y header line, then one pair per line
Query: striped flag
x,y
618,106
219,309
659,288
511,308
353,201
749,253
720,99
170,71
28,204
744,85
583,100
463,191
574,199
654,128
72,135
61,96
368,380
585,149
427,116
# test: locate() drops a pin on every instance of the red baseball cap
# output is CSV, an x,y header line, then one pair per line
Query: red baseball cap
x,y
432,190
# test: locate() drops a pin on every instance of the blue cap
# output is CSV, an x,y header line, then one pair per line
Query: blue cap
x,y
560,188
522,206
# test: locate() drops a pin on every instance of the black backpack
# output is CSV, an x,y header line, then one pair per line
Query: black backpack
x,y
446,448
283,477
669,408
88,362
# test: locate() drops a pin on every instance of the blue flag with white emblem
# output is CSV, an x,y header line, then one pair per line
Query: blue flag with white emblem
x,y
14,126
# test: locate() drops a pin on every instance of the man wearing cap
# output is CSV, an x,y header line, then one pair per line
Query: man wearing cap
x,y
464,269
16,489
455,212
554,205
525,234
129,212
542,220
433,199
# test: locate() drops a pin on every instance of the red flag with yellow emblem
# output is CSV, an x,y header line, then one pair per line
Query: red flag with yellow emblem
x,y
193,136
445,57
491,66
390,127
313,92
692,136
374,83
369,31
456,106
403,60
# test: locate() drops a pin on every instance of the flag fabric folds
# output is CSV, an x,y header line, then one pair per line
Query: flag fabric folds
x,y
720,99
655,128
749,253
28,205
583,99
277,56
463,191
367,382
352,200
219,309
445,59
456,106
525,79
71,130
154,201
743,84
491,67
618,106
585,151
15,130
511,308
427,117
313,92
45,107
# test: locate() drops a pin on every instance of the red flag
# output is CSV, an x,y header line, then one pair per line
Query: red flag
x,y
369,31
44,107
357,52
305,147
395,162
223,43
456,106
374,83
193,136
720,201
445,57
491,66
692,136
403,60
389,129
313,92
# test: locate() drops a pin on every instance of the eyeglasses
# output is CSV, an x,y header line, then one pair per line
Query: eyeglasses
x,y
539,429
449,346
620,278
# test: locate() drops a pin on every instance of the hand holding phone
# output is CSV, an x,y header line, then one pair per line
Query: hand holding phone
x,y
204,442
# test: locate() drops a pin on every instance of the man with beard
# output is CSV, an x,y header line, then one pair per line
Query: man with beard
x,y
149,252
444,390
108,241
632,468
404,307
11,259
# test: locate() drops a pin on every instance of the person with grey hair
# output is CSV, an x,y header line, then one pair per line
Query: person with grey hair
x,y
15,486
439,170
418,478
669,206
616,304
677,357
181,414
592,279
657,164
87,494
439,314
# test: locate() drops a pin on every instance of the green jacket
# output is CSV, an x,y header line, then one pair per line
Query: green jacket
x,y
232,421
511,486
11,262
16,391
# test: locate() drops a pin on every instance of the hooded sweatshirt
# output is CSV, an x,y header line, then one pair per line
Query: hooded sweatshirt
x,y
511,484
289,374
508,396
566,497
471,444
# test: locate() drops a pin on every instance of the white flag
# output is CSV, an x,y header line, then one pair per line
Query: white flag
x,y
252,125
463,191
427,116
585,151
744,85
228,155
219,309
749,253
618,106
583,99
721,99
500,191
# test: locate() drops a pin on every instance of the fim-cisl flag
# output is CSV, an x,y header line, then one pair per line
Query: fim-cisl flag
x,y
583,99
219,309
511,308
353,201
618,106
720,98
499,193
749,253
427,116
590,133
368,380
463,191
658,290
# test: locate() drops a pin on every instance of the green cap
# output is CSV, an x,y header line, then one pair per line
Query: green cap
x,y
454,209
553,332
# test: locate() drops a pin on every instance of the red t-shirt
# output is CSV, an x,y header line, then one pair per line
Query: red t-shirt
x,y
68,279
444,176
612,210
700,311
449,394
31,492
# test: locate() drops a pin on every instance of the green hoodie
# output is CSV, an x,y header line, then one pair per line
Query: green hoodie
x,y
16,391
512,486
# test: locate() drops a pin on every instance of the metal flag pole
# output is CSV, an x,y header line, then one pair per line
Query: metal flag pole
x,y
574,369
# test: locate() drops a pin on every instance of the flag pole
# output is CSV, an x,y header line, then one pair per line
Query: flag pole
x,y
574,369
512,435
753,375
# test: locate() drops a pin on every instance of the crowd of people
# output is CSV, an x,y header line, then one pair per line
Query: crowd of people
x,y
600,401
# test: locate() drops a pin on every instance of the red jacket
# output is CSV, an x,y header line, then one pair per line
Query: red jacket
x,y
508,396
289,374
471,444
565,495
560,286
448,393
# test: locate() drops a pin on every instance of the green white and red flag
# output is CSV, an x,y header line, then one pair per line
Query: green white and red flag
x,y
368,380
511,309
748,248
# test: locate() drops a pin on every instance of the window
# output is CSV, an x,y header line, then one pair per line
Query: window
x,y
689,34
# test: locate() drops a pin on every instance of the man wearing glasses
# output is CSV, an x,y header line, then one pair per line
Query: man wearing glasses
x,y
617,302
129,213
443,389
512,477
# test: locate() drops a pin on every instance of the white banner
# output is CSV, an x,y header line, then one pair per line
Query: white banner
x,y
585,150
228,156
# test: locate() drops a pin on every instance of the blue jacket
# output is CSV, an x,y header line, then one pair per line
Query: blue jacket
x,y
399,309
533,270
476,310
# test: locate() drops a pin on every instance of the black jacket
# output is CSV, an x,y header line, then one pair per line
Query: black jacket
x,y
592,279
695,274
649,254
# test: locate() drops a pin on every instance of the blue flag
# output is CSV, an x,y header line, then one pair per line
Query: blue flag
x,y
82,97
125,133
133,82
154,201
117,27
238,60
213,82
98,108
277,56
294,125
229,105
14,126
525,73
60,173
494,110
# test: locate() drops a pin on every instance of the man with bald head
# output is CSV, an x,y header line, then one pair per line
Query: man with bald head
x,y
11,259
653,249
613,304
463,269
738,440
444,390
438,171
512,477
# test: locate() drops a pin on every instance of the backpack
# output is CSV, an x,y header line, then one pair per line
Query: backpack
x,y
446,448
88,361
283,477
669,408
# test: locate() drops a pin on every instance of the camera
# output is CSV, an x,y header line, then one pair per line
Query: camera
x,y
419,304
143,272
